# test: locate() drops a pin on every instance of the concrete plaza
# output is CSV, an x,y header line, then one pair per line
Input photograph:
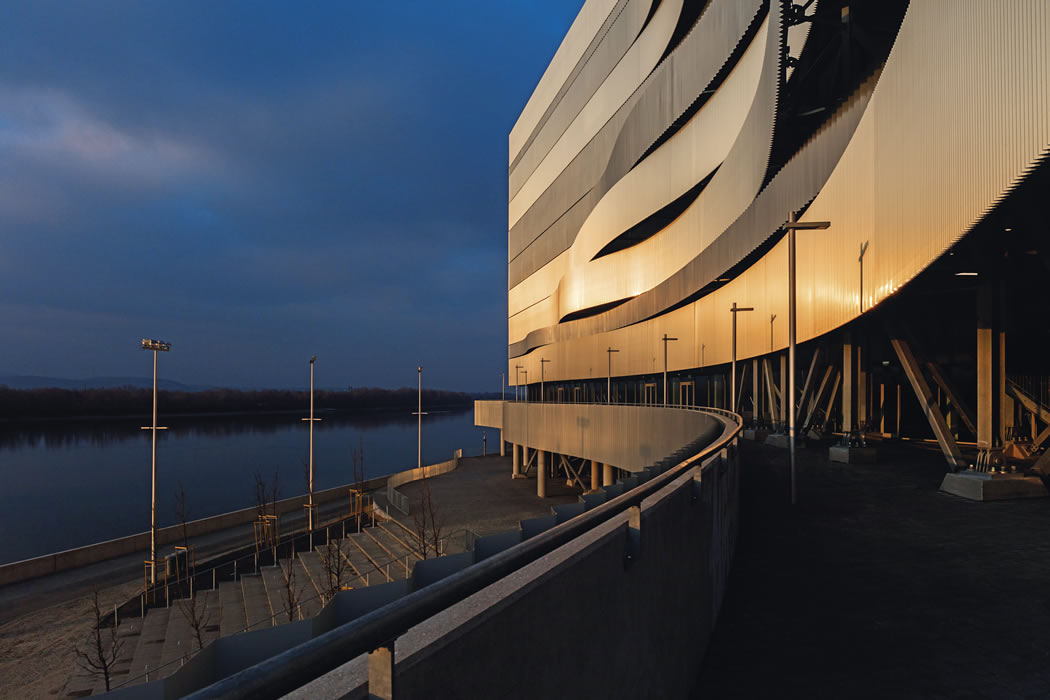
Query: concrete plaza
x,y
877,585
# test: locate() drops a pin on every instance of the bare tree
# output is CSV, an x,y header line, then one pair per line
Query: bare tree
x,y
266,505
101,652
197,615
357,462
180,514
293,595
336,567
428,521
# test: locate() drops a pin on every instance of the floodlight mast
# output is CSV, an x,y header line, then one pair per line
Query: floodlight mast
x,y
156,346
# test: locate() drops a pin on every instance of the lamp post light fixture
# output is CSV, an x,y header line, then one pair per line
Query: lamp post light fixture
x,y
608,387
666,340
419,420
732,384
543,361
156,346
794,225
311,420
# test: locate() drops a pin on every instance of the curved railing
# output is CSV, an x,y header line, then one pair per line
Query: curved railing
x,y
378,629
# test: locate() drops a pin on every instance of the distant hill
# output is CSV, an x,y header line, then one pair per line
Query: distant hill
x,y
23,381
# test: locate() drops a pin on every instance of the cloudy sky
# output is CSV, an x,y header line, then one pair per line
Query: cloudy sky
x,y
257,182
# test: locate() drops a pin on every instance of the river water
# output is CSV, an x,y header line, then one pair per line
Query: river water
x,y
65,485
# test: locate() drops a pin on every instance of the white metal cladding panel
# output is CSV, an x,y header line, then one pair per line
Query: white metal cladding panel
x,y
638,269
629,73
796,183
612,42
587,23
542,232
959,115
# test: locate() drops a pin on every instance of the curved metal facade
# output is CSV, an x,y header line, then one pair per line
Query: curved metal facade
x,y
644,196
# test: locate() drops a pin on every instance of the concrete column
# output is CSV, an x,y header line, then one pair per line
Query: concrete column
x,y
541,474
882,408
847,386
991,361
594,476
756,392
607,475
502,444
862,390
515,460
784,403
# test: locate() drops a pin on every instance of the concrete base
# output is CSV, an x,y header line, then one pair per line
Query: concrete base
x,y
852,455
778,440
979,486
518,476
756,434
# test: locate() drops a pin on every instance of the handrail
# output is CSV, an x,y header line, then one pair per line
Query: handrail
x,y
278,675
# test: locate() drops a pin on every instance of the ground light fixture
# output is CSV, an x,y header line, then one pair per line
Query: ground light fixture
x,y
156,346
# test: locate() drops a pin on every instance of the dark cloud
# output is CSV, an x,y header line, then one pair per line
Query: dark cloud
x,y
261,181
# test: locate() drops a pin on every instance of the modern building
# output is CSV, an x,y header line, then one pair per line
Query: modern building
x,y
655,169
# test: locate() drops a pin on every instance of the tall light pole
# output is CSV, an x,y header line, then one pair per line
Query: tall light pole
x,y
311,420
543,361
503,385
517,374
608,387
792,226
156,346
667,340
525,392
732,385
420,414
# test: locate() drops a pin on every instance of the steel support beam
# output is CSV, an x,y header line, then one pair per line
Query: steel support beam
x,y
929,404
961,409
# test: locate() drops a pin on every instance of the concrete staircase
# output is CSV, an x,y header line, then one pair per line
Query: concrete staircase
x,y
162,641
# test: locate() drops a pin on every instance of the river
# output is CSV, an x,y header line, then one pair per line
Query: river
x,y
64,485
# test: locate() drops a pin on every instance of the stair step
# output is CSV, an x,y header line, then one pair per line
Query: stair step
x,y
274,582
311,562
231,605
309,599
366,571
256,605
407,540
376,556
179,643
150,644
395,552
212,616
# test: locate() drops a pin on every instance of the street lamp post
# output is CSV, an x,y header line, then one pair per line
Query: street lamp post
x,y
311,420
608,387
792,226
525,392
419,420
666,340
517,374
503,385
732,384
543,361
156,346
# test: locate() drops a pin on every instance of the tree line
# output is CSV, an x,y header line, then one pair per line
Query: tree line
x,y
29,404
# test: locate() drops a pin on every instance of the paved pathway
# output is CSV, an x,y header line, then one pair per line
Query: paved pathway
x,y
879,586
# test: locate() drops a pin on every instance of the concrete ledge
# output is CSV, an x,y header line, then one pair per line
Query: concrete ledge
x,y
778,440
978,486
852,455
756,434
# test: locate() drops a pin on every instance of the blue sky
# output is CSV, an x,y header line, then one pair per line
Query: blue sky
x,y
257,182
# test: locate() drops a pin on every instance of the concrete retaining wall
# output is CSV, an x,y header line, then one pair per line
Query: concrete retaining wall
x,y
101,551
628,437
397,499
633,603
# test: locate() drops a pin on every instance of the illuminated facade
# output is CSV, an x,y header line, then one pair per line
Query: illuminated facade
x,y
668,142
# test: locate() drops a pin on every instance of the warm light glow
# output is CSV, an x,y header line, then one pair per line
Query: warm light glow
x,y
149,344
